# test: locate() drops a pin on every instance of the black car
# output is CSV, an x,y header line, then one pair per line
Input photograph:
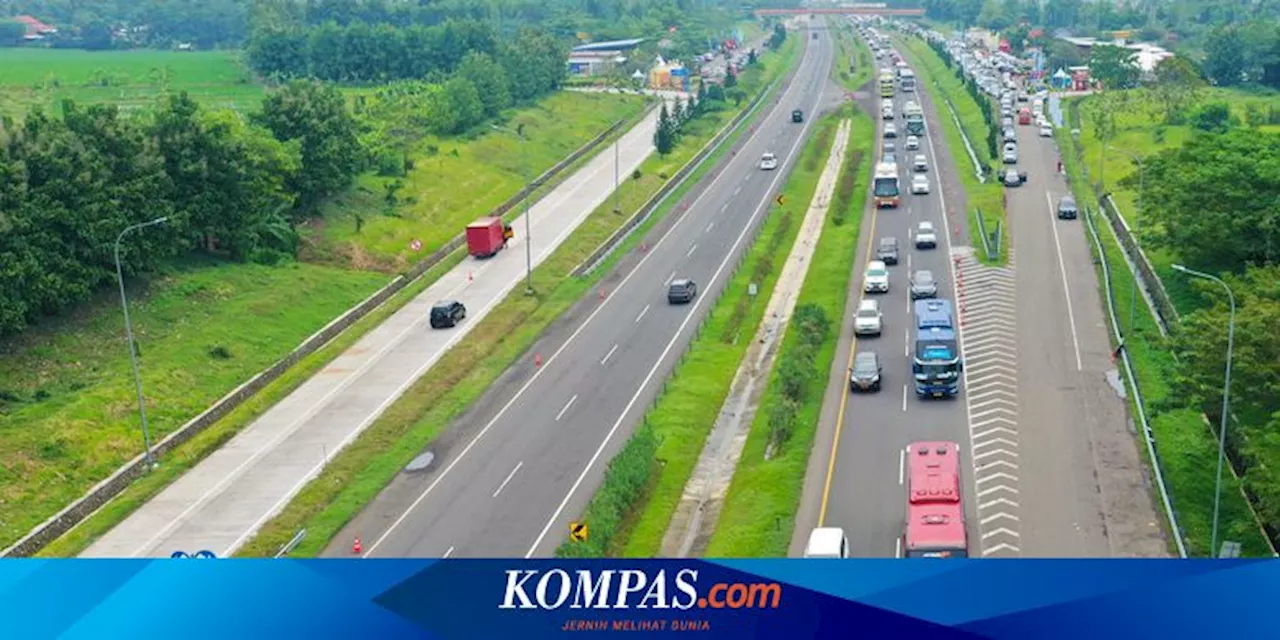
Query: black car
x,y
887,250
797,116
865,374
1067,208
447,313
681,291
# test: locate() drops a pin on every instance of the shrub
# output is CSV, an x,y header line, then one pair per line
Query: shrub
x,y
624,483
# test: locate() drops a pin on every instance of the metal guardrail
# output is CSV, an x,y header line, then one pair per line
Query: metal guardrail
x,y
1138,401
1157,297
291,544
990,241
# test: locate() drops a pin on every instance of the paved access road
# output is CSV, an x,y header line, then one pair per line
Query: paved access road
x,y
220,503
1083,481
510,475
860,489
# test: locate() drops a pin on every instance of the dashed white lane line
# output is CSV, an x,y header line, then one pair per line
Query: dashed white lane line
x,y
1066,288
902,465
608,355
904,397
447,553
669,279
512,474
712,224
566,407
642,312
691,250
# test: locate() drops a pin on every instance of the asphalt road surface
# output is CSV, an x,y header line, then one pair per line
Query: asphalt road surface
x,y
861,489
510,475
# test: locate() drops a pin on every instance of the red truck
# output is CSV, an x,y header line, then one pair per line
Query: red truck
x,y
487,236
1024,116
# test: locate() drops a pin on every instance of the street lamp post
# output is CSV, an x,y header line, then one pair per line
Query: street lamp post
x,y
528,238
1133,301
1226,397
128,329
616,169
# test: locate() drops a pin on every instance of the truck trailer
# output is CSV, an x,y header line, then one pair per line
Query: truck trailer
x,y
487,236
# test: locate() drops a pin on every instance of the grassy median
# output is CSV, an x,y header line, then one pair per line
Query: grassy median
x,y
355,476
945,88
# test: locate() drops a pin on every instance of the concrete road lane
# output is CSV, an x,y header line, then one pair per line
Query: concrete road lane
x,y
860,489
511,474
229,495
1088,494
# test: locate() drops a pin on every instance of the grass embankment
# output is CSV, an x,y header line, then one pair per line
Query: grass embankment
x,y
943,86
32,77
1184,443
68,410
355,476
759,510
454,181
686,410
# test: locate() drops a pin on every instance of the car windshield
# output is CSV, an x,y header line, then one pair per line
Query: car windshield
x,y
877,273
925,227
924,278
867,313
864,367
888,245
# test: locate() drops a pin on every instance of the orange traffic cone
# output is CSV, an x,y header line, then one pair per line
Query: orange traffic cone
x,y
537,359
602,294
356,547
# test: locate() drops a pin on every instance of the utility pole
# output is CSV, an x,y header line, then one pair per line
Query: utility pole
x,y
528,237
133,353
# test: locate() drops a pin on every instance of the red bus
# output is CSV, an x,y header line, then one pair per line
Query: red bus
x,y
935,513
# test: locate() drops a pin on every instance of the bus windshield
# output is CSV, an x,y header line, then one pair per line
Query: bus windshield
x,y
886,187
938,553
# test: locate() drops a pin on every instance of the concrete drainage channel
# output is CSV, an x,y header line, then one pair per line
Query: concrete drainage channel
x,y
699,509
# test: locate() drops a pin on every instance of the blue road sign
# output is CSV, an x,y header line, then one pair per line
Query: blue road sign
x,y
179,554
205,554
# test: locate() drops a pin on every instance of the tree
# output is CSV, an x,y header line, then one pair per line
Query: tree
x,y
1213,117
1219,200
1116,67
317,116
489,80
464,102
11,32
730,78
1176,86
664,139
1224,58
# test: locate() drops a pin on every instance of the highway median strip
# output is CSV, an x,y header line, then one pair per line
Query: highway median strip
x,y
355,476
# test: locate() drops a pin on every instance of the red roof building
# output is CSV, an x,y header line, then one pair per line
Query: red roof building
x,y
35,28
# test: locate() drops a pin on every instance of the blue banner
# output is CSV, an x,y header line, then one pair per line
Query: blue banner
x,y
448,599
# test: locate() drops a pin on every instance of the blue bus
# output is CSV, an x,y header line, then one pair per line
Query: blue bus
x,y
937,363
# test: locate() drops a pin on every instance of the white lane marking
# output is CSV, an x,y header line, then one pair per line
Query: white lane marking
x,y
1066,289
737,190
897,547
906,346
778,109
902,464
509,477
609,355
566,407
712,224
447,553
904,397
908,263
760,208
642,312
691,250
664,282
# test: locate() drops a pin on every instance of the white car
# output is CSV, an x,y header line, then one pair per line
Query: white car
x,y
876,279
1010,154
887,113
919,184
925,236
890,131
913,143
1046,131
920,164
868,320
768,162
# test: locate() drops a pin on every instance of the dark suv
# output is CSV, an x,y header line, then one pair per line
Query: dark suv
x,y
865,374
447,313
887,250
681,291
1067,208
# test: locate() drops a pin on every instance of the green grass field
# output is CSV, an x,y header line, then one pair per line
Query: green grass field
x,y
941,82
356,475
69,414
1186,447
451,190
32,77
691,401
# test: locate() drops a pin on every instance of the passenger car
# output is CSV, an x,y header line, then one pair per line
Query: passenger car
x,y
447,313
890,131
1067,208
1014,178
866,371
681,290
1046,131
913,143
923,285
876,279
887,250
868,321
768,162
920,163
925,235
919,184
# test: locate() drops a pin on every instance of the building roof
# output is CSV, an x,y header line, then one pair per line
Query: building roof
x,y
611,45
34,25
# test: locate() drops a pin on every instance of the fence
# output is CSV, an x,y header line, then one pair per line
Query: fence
x,y
990,241
110,487
1152,287
1147,436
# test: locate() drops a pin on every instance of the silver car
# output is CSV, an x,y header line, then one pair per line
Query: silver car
x,y
923,285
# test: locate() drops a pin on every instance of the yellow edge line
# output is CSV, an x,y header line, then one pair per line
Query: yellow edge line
x,y
844,391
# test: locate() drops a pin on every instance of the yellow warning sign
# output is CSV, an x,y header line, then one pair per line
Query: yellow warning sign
x,y
578,531
780,200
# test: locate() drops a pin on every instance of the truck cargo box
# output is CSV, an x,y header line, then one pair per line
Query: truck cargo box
x,y
485,237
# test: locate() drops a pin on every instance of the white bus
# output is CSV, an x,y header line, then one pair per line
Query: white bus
x,y
885,185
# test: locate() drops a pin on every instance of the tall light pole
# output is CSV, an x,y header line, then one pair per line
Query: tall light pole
x,y
528,238
1226,398
1133,301
616,169
133,354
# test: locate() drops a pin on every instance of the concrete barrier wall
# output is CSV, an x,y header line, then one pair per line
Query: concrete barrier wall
x,y
104,491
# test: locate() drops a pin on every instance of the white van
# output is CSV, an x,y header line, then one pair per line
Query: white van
x,y
827,542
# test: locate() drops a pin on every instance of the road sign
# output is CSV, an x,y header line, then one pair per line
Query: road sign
x,y
578,531
780,200
179,554
416,245
206,555
751,289
1230,550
